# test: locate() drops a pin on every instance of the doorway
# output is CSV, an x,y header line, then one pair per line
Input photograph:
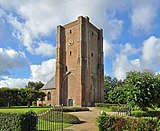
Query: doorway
x,y
70,102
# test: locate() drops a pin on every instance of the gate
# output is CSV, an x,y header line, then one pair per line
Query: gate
x,y
51,120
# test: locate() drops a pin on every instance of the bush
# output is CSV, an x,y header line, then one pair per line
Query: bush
x,y
71,119
111,107
121,123
74,109
18,121
104,104
56,116
71,109
146,114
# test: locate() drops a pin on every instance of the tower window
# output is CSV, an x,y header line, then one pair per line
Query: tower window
x,y
49,96
91,87
70,52
92,33
70,31
91,54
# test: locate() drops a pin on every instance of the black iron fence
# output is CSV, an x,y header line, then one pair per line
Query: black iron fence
x,y
51,120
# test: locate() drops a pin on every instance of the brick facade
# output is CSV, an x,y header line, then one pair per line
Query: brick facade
x,y
79,64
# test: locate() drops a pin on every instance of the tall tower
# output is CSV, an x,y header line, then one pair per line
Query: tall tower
x,y
79,65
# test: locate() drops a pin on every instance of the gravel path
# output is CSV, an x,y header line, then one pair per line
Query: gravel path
x,y
88,120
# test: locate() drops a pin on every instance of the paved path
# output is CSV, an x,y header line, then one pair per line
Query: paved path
x,y
88,119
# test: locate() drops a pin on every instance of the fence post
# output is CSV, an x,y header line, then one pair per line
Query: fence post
x,y
62,115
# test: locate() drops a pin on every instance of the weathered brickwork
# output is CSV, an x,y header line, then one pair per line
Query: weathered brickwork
x,y
79,65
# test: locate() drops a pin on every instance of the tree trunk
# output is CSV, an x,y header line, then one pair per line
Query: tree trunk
x,y
28,103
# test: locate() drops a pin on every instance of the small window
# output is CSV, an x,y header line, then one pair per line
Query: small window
x,y
49,96
70,52
66,68
91,54
91,87
70,31
92,33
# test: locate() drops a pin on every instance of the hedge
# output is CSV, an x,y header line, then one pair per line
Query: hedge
x,y
127,123
55,116
105,104
71,109
18,121
146,114
75,109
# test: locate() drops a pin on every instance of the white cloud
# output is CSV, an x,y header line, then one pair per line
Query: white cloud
x,y
151,49
36,19
148,60
108,48
122,65
151,54
113,28
43,72
10,59
128,49
45,49
143,15
14,83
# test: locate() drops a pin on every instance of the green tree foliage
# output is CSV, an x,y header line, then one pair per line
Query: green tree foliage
x,y
109,85
139,89
143,89
35,85
117,96
14,96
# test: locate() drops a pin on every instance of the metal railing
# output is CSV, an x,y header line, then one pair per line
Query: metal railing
x,y
51,120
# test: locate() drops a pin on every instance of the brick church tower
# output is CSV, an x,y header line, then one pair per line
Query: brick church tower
x,y
79,64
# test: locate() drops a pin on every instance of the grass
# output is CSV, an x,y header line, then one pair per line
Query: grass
x,y
22,109
105,109
41,125
50,125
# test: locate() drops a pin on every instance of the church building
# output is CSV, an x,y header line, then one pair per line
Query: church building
x,y
79,78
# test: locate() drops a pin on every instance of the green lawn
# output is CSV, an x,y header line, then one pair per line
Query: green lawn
x,y
50,125
22,109
41,126
105,109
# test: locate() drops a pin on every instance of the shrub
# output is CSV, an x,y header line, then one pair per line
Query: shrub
x,y
18,121
71,109
112,107
56,116
74,109
121,123
71,119
104,105
146,114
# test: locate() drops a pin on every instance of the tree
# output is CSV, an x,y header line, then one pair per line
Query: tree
x,y
15,96
117,95
29,95
35,85
109,85
142,89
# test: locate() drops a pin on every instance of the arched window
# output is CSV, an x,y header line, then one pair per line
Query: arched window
x,y
49,96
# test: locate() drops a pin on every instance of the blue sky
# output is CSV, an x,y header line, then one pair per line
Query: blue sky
x,y
28,36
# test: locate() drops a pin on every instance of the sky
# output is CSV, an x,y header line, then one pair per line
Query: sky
x,y
28,36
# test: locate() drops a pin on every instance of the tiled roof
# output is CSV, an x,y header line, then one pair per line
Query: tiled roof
x,y
51,84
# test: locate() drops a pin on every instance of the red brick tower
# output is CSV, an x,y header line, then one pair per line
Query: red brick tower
x,y
79,65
